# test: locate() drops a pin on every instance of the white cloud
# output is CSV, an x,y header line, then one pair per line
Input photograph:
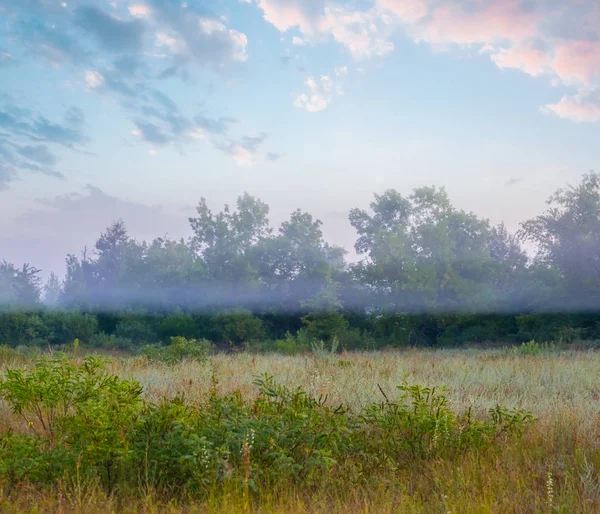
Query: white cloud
x,y
93,79
139,10
242,156
559,40
199,134
320,94
584,107
364,33
298,41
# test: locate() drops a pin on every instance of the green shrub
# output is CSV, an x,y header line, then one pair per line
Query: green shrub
x,y
533,348
179,349
65,326
236,327
110,342
135,330
177,325
87,425
421,425
77,408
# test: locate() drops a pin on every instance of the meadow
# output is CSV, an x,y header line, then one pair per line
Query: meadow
x,y
548,464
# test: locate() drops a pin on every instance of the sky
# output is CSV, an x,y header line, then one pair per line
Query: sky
x,y
136,109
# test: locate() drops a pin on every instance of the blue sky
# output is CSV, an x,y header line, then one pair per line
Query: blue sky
x,y
137,108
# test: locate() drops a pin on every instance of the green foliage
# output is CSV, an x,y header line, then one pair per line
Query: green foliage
x,y
138,330
322,350
65,326
110,342
237,327
77,408
86,424
177,325
179,350
533,348
324,318
421,425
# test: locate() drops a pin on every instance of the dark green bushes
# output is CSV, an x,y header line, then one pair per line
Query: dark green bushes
x,y
239,328
80,423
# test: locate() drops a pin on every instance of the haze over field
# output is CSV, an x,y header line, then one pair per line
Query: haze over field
x,y
136,109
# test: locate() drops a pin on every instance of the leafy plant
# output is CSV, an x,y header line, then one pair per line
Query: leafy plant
x,y
180,348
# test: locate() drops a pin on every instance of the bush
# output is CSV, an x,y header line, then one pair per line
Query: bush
x,y
533,348
136,330
110,342
88,425
177,325
68,326
238,327
78,413
179,349
421,425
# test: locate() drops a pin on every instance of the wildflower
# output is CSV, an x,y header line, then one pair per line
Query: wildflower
x,y
550,490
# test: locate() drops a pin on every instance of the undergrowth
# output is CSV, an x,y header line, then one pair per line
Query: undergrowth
x,y
83,426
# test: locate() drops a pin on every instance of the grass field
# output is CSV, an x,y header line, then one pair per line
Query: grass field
x,y
553,467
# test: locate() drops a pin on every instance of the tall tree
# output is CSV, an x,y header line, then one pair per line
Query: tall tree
x,y
567,236
227,241
19,286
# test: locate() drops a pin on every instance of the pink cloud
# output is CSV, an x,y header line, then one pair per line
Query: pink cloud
x,y
553,38
498,21
408,11
526,57
578,61
579,108
287,14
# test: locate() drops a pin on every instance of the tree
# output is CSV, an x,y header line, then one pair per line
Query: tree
x,y
227,241
52,290
422,253
325,319
568,239
294,263
19,287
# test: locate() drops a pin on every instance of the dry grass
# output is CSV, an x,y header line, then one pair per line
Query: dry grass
x,y
555,468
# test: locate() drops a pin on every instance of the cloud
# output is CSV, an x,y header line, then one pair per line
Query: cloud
x,y
74,117
6,59
38,153
244,150
195,33
140,10
532,59
118,53
578,61
54,43
272,156
113,34
151,133
287,14
93,79
86,214
321,92
363,32
549,38
581,108
7,175
26,138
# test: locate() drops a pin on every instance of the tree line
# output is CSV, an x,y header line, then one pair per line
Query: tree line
x,y
429,273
